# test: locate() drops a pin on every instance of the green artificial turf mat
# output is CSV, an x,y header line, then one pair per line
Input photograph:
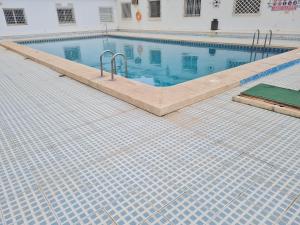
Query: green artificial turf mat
x,y
276,94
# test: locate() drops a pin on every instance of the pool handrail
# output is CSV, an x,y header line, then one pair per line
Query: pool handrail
x,y
254,36
101,59
268,35
271,36
113,64
253,41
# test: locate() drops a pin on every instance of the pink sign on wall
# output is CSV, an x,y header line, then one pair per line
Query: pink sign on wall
x,y
284,5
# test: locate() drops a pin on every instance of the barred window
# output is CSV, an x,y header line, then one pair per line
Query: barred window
x,y
192,7
14,16
126,10
154,7
65,15
246,7
106,14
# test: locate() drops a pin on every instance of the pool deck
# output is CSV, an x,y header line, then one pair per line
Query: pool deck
x,y
208,39
70,154
158,100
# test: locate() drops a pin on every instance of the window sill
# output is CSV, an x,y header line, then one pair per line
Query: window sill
x,y
154,18
191,16
67,24
247,14
17,24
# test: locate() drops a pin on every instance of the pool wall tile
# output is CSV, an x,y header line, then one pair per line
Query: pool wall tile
x,y
270,71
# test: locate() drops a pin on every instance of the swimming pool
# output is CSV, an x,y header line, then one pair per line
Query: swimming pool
x,y
158,63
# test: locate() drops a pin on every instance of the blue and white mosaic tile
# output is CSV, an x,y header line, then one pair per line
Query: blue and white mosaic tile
x,y
73,155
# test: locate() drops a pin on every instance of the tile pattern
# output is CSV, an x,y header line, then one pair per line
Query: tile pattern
x,y
270,71
73,155
291,37
165,41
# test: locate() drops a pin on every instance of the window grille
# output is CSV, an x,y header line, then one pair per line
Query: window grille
x,y
246,7
65,15
192,7
14,16
106,14
126,10
154,7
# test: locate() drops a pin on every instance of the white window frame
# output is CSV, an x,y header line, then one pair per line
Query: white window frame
x,y
110,15
194,14
236,2
149,6
122,11
73,15
14,17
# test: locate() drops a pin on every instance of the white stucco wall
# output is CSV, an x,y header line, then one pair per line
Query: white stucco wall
x,y
172,18
42,18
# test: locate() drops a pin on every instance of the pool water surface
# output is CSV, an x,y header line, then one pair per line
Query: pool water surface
x,y
155,63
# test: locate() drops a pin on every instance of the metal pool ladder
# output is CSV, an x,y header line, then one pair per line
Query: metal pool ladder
x,y
253,41
257,39
101,59
269,35
113,64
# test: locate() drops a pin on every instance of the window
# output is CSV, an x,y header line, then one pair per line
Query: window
x,y
65,15
106,14
14,16
192,7
154,7
126,10
246,7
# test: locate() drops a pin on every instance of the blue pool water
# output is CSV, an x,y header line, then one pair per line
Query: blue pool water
x,y
157,63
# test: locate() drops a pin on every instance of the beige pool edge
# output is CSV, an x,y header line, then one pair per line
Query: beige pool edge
x,y
157,100
285,110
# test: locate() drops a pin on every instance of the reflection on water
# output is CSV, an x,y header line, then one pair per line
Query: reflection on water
x,y
155,57
128,50
138,60
156,64
72,53
190,63
108,45
212,51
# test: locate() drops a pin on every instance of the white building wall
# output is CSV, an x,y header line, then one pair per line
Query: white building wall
x,y
42,18
172,18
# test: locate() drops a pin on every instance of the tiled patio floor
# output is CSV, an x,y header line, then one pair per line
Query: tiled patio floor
x,y
70,154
